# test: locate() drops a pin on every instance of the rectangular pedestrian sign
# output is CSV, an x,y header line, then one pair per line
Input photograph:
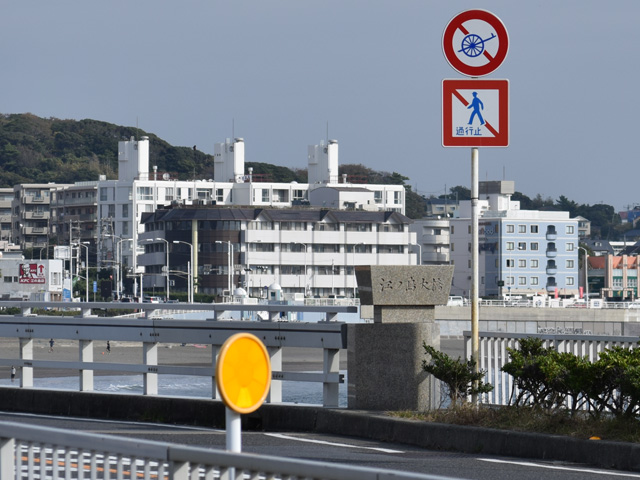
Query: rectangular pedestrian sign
x,y
475,113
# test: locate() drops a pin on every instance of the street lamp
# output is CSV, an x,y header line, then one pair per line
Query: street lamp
x,y
305,265
229,265
586,274
119,256
167,270
189,270
85,245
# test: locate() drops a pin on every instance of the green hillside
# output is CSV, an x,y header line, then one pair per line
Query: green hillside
x,y
41,150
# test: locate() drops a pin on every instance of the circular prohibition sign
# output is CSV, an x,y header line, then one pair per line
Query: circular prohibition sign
x,y
243,373
475,42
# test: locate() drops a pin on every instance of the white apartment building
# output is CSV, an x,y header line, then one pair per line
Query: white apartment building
x,y
522,252
139,190
433,238
302,250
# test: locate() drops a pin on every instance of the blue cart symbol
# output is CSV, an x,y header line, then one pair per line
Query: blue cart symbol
x,y
473,45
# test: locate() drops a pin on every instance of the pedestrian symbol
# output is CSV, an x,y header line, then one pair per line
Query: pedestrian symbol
x,y
477,105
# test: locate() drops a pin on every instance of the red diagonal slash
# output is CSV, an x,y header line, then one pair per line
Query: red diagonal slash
x,y
464,102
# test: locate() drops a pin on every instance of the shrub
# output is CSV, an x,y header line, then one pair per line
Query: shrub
x,y
459,375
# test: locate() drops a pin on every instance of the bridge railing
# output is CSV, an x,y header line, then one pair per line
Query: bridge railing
x,y
156,328
28,451
494,355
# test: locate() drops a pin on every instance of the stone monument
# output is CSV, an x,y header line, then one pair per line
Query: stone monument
x,y
385,357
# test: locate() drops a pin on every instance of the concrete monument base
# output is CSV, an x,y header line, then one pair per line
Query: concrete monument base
x,y
385,366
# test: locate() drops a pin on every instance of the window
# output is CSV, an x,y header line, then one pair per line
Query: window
x,y
265,195
377,196
522,280
299,226
570,281
533,263
397,198
534,246
453,230
570,229
534,229
570,247
522,245
168,194
125,211
510,280
510,246
144,193
569,263
112,210
103,194
511,229
219,194
522,229
522,263
358,227
260,226
534,281
510,262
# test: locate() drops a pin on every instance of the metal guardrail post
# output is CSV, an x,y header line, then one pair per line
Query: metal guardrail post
x,y
85,348
150,359
275,392
330,364
7,462
26,355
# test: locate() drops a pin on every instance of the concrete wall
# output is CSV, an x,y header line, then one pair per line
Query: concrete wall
x,y
454,321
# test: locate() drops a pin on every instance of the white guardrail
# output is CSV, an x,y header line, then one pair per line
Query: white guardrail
x,y
493,355
154,327
28,451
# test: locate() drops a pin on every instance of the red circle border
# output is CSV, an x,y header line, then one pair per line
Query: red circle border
x,y
449,52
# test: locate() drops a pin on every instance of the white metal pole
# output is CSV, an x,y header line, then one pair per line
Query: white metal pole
x,y
475,311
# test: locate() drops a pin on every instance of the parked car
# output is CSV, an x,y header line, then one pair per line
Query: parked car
x,y
151,300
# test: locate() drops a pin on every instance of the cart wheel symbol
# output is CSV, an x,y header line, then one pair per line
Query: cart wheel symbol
x,y
473,45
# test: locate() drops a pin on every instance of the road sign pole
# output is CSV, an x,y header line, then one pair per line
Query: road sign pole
x,y
475,311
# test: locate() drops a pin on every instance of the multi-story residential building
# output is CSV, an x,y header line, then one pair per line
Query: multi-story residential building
x,y
31,215
6,199
302,249
433,237
522,252
122,202
74,213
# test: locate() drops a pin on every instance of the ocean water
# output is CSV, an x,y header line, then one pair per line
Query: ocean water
x,y
183,386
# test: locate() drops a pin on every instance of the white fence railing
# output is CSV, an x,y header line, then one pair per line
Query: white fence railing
x,y
28,451
493,355
153,329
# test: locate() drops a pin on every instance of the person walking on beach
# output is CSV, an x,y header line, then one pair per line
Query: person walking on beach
x,y
51,343
108,348
13,373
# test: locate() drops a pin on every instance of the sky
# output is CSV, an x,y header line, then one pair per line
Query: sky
x,y
285,74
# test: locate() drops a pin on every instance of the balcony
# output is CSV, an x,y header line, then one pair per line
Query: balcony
x,y
551,287
552,270
552,234
552,252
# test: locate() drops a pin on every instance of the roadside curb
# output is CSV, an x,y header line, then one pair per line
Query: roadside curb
x,y
364,424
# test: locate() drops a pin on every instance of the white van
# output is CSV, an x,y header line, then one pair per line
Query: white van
x,y
455,301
